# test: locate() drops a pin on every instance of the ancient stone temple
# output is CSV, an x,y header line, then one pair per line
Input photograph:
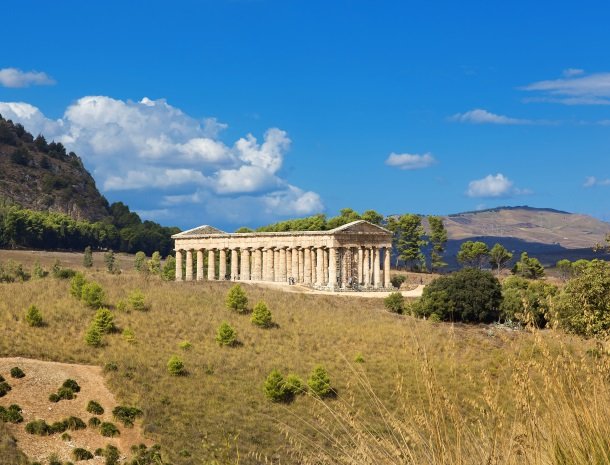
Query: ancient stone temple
x,y
353,256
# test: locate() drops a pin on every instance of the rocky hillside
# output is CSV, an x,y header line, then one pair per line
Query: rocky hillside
x,y
42,176
538,225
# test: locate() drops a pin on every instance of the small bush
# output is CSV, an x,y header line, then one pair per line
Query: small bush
x,y
109,430
81,454
129,336
95,408
75,423
359,359
4,388
58,427
104,320
122,306
88,257
93,295
261,316
65,393
111,366
126,415
226,335
11,415
397,280
17,372
76,285
53,397
175,366
93,337
136,301
66,437
34,317
275,388
236,299
139,262
111,454
294,385
71,384
185,345
94,422
39,272
319,382
395,303
38,427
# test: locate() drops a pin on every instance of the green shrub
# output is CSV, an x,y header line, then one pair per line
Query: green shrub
x,y
185,345
236,299
66,437
275,388
81,454
38,427
136,301
139,262
109,430
261,316
94,422
127,415
71,384
154,264
110,262
397,280
226,335
110,366
93,337
4,388
95,408
319,382
141,455
88,258
93,295
65,393
129,335
111,454
526,301
294,384
468,295
58,427
34,317
54,397
528,267
175,366
62,273
11,415
169,269
104,320
75,423
76,285
359,359
122,306
395,303
17,372
39,272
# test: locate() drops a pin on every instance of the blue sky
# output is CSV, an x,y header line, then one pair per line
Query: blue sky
x,y
244,112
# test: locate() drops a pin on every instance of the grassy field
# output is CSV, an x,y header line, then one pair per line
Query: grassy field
x,y
425,393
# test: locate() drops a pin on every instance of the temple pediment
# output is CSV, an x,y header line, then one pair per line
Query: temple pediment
x,y
203,230
360,227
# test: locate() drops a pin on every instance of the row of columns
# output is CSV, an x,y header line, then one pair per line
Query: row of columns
x,y
330,267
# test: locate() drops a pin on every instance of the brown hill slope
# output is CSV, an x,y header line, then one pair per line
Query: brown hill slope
x,y
538,225
42,176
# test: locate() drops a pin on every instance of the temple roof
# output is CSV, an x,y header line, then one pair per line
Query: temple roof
x,y
202,230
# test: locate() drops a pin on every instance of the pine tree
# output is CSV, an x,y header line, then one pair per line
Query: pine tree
x,y
438,239
88,258
411,240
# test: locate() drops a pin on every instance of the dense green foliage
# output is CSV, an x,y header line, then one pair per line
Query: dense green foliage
x,y
33,316
319,222
175,366
95,408
528,267
17,372
469,295
395,302
237,299
92,295
584,304
261,315
438,240
410,239
128,415
529,302
275,388
12,414
226,335
499,257
474,254
319,382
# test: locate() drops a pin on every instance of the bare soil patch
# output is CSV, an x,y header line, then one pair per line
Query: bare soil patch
x,y
31,393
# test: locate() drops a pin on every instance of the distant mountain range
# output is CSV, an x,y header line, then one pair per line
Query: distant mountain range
x,y
545,233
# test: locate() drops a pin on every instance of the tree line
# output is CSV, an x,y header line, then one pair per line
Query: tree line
x,y
123,231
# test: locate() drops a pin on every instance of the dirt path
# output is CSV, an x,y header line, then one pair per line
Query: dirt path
x,y
31,394
417,292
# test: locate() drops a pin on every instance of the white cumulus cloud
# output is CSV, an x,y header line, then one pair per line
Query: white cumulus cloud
x,y
152,146
494,186
409,161
13,77
480,116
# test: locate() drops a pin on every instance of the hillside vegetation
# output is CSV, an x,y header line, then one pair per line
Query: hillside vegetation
x,y
408,390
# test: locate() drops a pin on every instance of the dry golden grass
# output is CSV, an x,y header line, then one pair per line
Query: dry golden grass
x,y
426,393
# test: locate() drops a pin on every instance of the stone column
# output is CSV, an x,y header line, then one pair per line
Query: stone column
x,y
276,265
319,266
234,265
258,265
271,265
295,265
178,265
325,266
200,265
376,268
222,264
211,265
301,265
332,268
288,264
386,267
366,272
344,267
360,266
245,265
281,276
189,265
307,266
